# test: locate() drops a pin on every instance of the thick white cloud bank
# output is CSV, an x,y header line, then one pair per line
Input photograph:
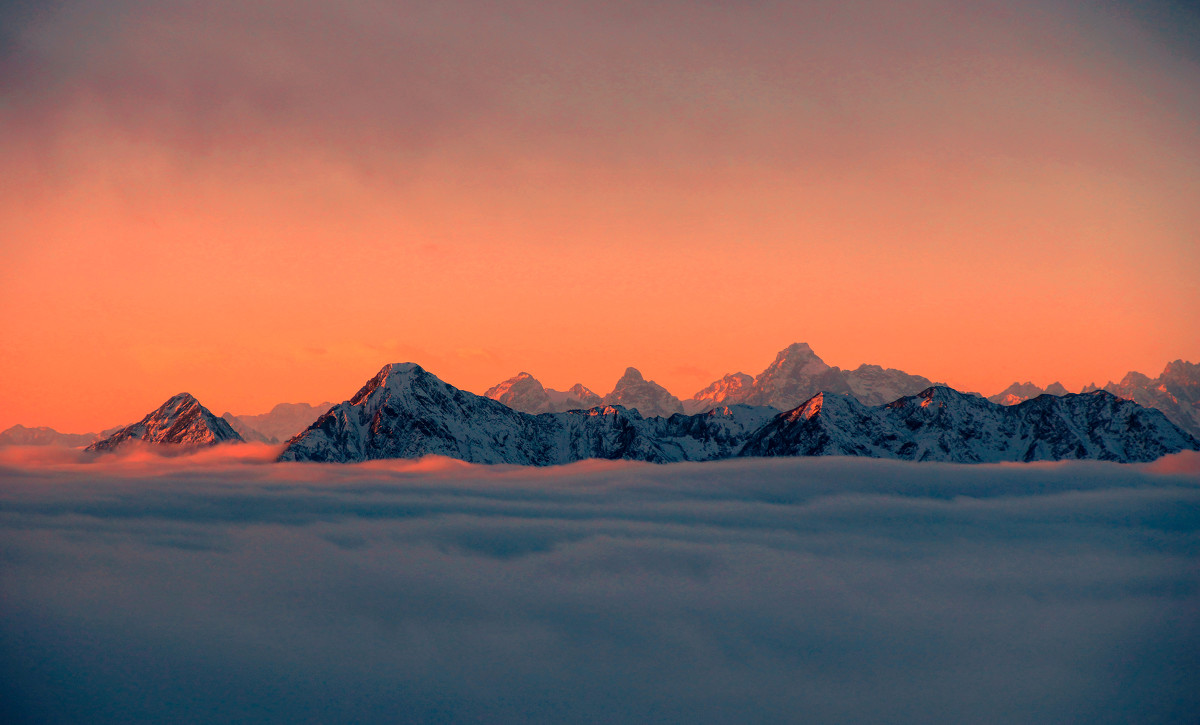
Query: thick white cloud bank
x,y
141,589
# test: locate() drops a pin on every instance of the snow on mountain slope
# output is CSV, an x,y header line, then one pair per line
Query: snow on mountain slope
x,y
797,374
525,393
729,390
180,421
825,425
1176,392
522,392
609,432
405,412
942,424
715,434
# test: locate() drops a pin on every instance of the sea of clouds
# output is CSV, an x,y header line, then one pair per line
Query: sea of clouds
x,y
220,587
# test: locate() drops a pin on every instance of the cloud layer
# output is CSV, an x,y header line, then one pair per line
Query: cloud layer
x,y
766,591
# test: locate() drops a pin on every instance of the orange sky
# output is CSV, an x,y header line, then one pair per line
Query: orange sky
x,y
260,205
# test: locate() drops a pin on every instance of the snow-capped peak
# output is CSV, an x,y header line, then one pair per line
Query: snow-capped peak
x,y
392,375
415,414
179,421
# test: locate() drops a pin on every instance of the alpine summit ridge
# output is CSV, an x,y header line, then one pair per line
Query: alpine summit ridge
x,y
406,412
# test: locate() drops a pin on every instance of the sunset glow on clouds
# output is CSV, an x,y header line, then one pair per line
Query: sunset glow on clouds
x,y
260,204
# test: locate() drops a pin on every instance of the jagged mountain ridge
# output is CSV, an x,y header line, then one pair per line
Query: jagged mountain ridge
x,y
646,396
576,397
523,392
1019,392
942,424
795,376
406,412
732,387
798,373
403,412
1176,392
180,421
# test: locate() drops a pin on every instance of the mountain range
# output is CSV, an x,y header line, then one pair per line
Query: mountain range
x,y
741,402
1020,392
523,392
1176,392
942,424
795,376
406,412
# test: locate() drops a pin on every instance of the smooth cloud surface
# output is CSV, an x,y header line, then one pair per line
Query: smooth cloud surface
x,y
827,590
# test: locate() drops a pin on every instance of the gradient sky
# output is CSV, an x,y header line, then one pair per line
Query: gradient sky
x,y
266,204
